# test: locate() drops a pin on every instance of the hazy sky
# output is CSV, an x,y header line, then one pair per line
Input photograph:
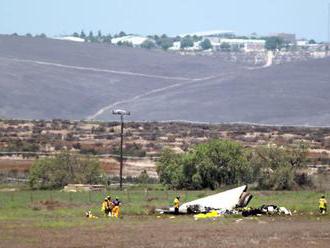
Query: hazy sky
x,y
306,18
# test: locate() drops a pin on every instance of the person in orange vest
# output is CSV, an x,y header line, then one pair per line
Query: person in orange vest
x,y
323,205
176,204
116,208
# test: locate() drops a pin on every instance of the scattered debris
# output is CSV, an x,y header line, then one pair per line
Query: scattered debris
x,y
89,215
266,210
83,187
8,190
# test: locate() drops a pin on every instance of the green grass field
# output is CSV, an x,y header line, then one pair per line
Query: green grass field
x,y
61,209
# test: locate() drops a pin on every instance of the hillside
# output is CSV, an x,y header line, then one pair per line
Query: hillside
x,y
46,79
290,94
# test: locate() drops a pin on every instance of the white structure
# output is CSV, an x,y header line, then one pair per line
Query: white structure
x,y
176,46
136,41
70,38
247,45
302,43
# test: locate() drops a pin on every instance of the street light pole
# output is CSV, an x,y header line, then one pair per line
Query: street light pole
x,y
121,113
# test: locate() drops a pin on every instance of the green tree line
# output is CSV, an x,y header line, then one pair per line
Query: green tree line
x,y
223,162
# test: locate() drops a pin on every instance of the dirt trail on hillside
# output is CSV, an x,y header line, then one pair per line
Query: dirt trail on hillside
x,y
220,77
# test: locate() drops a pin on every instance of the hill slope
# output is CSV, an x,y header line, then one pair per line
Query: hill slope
x,y
44,79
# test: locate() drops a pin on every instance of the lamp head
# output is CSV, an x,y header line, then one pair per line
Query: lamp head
x,y
120,112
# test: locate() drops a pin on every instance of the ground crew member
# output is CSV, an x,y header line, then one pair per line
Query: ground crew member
x,y
116,208
323,205
176,204
110,205
104,207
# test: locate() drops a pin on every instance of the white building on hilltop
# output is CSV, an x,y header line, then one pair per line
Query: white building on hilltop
x,y
135,40
70,38
247,45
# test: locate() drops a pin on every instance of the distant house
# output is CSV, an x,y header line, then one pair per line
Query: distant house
x,y
177,47
135,40
302,43
246,45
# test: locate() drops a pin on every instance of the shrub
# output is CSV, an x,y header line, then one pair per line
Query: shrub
x,y
64,168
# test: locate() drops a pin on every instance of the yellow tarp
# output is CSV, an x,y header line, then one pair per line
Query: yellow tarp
x,y
209,215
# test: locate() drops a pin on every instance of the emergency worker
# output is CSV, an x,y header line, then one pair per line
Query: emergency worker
x,y
323,205
104,207
116,208
176,205
109,205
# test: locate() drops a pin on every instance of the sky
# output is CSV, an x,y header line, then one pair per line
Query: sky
x,y
306,18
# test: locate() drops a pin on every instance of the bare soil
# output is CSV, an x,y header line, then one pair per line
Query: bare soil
x,y
178,232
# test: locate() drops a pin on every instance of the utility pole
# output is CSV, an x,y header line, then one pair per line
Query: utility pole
x,y
328,23
121,113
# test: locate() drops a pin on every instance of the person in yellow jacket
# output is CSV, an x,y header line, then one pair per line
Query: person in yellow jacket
x,y
104,207
323,205
116,208
176,204
109,205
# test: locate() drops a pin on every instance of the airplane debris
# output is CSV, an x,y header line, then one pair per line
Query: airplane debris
x,y
225,201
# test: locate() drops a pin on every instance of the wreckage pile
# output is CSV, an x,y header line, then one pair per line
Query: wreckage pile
x,y
230,202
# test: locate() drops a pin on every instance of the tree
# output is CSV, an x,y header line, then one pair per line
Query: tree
x,y
168,168
206,166
274,43
91,37
148,44
64,168
206,44
125,44
143,177
312,41
121,34
225,47
42,35
99,34
82,34
164,42
276,167
187,41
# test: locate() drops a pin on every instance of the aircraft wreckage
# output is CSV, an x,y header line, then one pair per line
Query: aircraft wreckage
x,y
227,200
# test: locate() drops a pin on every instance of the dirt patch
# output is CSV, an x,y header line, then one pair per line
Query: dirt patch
x,y
163,232
19,165
49,205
